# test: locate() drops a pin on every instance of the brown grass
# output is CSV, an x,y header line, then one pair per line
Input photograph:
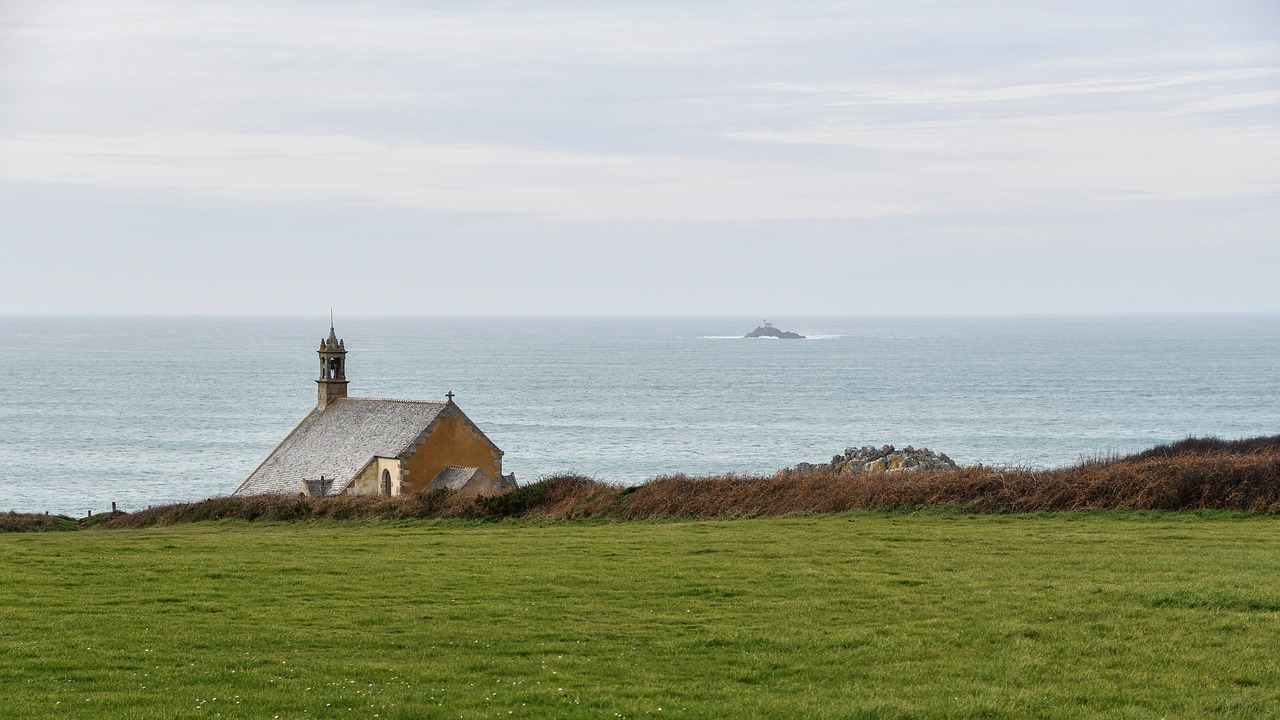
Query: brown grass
x,y
1194,474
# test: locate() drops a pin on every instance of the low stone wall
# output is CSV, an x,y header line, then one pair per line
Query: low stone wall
x,y
886,458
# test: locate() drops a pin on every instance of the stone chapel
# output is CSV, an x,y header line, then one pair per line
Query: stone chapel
x,y
374,446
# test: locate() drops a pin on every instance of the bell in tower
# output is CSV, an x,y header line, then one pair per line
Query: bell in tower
x,y
333,372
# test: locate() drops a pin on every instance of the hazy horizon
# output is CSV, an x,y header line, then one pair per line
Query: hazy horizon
x,y
642,316
516,159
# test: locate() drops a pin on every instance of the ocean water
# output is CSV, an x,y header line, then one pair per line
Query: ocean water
x,y
151,410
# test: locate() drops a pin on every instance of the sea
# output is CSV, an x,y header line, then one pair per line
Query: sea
x,y
148,410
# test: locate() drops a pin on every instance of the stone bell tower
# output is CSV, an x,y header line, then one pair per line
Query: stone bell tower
x,y
333,369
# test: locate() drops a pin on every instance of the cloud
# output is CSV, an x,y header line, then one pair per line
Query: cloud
x,y
871,95
1029,123
447,178
1095,157
876,170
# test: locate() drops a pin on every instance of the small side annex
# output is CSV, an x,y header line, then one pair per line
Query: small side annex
x,y
373,446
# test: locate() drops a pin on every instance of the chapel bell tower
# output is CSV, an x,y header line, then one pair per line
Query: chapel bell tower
x,y
333,371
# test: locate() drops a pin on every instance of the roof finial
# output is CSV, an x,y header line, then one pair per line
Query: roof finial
x,y
449,395
332,342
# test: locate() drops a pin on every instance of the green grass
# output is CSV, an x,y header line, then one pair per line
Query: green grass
x,y
864,615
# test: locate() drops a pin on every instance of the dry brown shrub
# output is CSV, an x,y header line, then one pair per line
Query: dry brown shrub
x,y
294,508
575,496
1216,479
1193,475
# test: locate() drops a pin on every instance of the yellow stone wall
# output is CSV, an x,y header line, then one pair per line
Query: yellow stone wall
x,y
452,442
369,481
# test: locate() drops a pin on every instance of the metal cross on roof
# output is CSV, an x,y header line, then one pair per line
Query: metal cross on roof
x,y
449,395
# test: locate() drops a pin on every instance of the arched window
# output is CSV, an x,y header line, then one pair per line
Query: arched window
x,y
386,482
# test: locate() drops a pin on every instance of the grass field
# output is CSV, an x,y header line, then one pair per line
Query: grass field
x,y
863,615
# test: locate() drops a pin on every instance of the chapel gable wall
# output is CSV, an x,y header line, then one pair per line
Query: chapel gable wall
x,y
452,442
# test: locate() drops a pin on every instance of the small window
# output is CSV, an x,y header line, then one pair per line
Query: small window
x,y
386,482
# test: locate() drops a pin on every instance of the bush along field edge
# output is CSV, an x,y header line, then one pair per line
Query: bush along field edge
x,y
1194,474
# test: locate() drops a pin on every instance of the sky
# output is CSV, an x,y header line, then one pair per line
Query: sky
x,y
568,157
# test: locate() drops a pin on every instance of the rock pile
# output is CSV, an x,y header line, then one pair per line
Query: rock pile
x,y
887,458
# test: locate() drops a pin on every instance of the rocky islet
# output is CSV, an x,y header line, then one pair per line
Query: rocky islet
x,y
886,458
768,330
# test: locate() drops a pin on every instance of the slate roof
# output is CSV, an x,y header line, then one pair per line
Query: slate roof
x,y
337,442
455,478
